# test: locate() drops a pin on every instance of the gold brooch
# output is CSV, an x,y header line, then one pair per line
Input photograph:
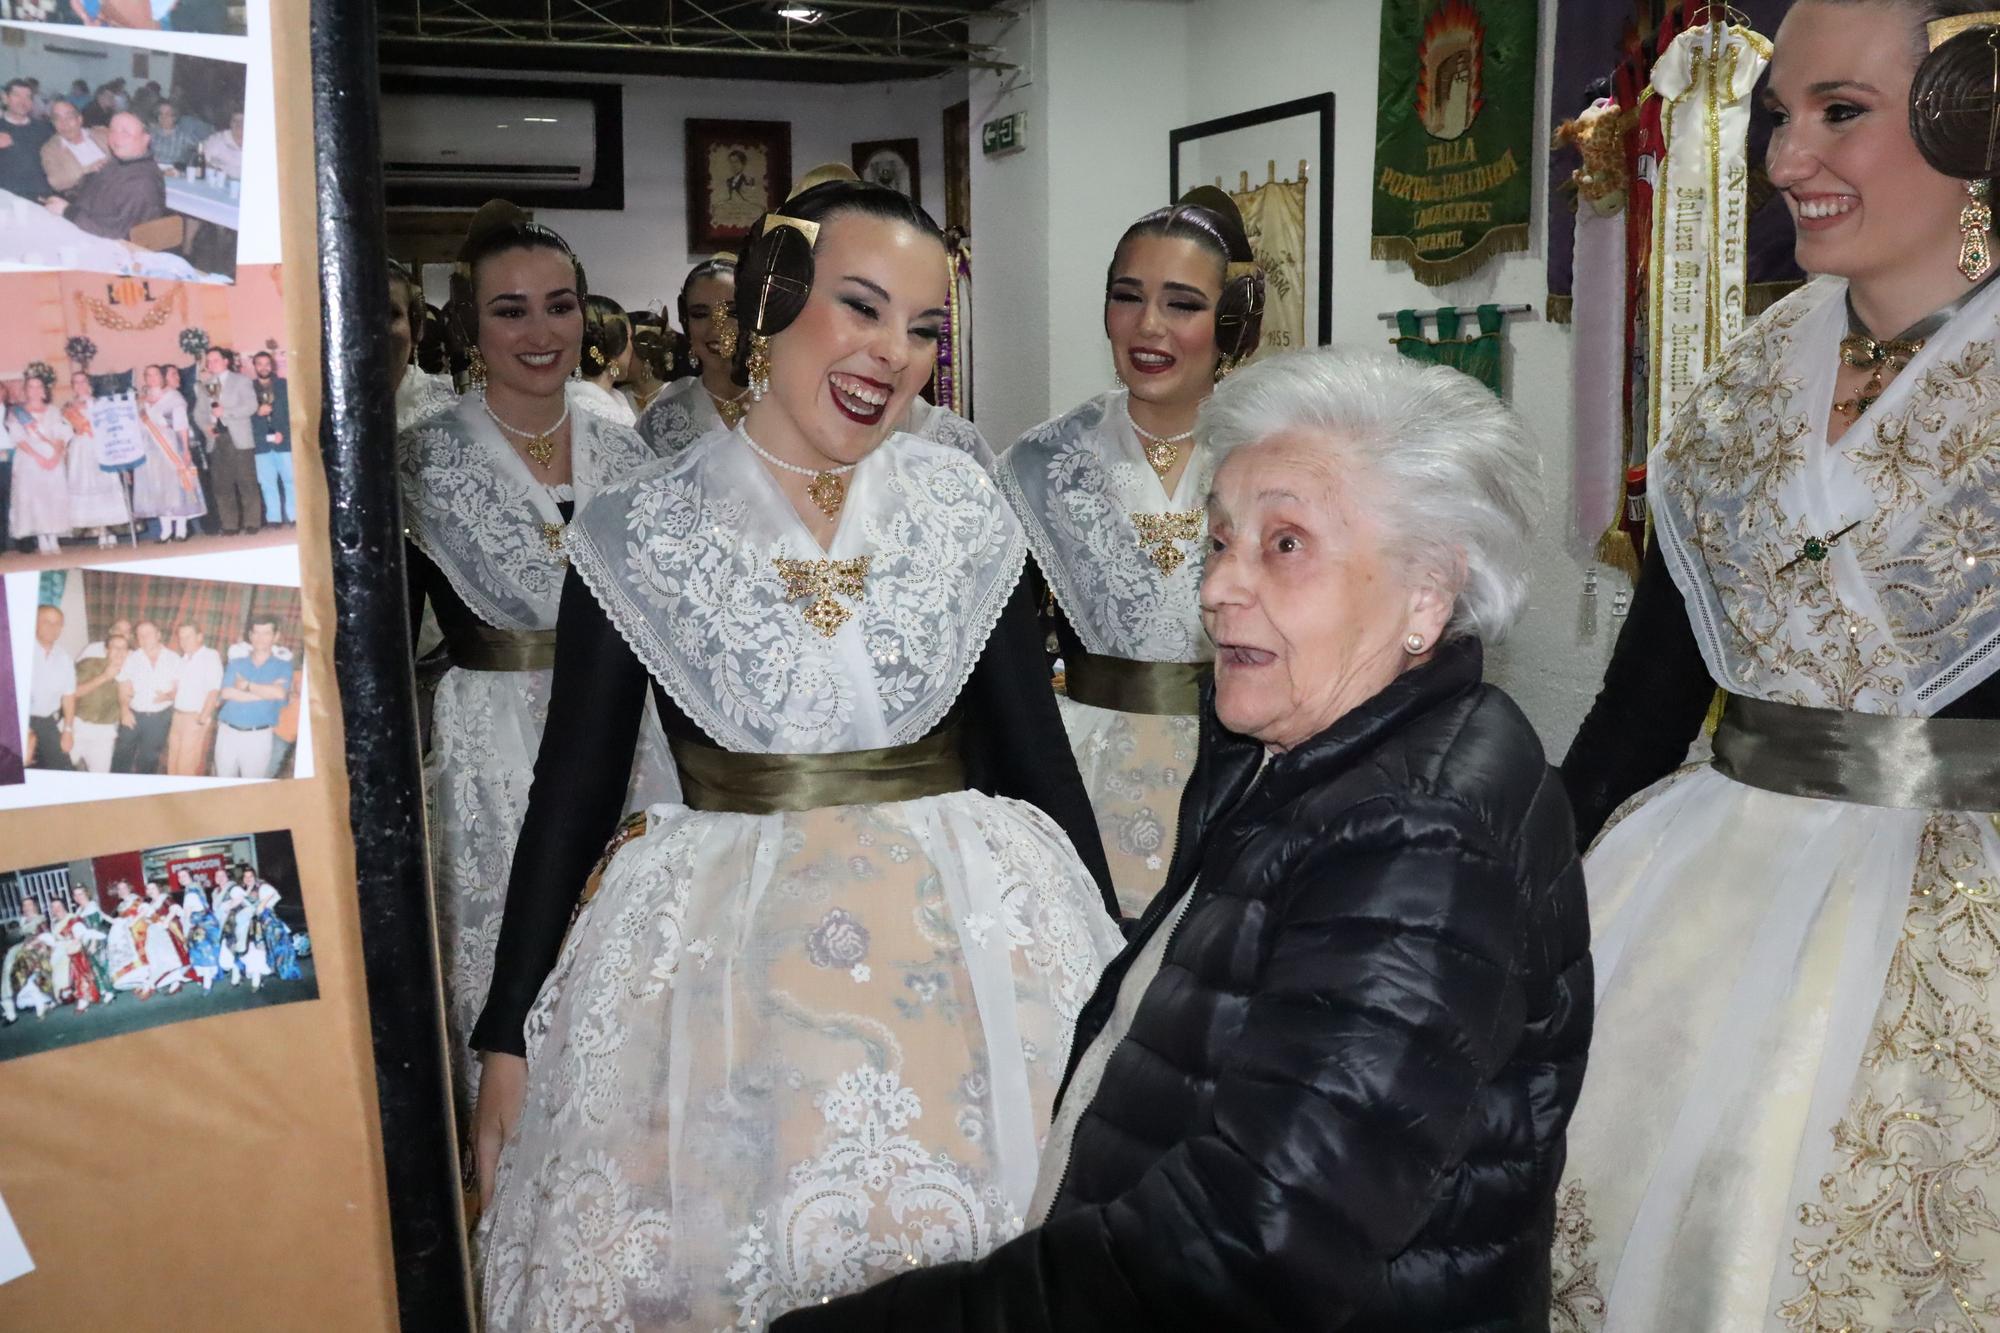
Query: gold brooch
x,y
552,535
1159,532
823,581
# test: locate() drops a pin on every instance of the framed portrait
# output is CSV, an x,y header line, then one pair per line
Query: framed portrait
x,y
1276,162
890,162
737,170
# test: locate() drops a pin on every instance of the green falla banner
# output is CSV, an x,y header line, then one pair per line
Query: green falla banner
x,y
1455,124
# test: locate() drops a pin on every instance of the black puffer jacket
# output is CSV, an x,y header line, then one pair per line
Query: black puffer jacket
x,y
1342,1100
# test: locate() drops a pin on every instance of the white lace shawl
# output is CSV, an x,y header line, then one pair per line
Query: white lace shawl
x,y
422,396
588,396
1076,482
948,428
682,414
682,560
1903,615
471,505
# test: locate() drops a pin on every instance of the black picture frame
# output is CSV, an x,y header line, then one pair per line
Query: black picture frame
x,y
607,184
1320,105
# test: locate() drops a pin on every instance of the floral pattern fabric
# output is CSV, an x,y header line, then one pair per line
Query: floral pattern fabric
x,y
1790,1120
1076,482
783,1056
473,508
686,559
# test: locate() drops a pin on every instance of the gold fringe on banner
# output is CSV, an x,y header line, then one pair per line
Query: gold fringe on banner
x,y
1561,309
1510,239
88,307
1614,548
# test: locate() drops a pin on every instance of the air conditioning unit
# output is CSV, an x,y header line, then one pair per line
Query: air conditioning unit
x,y
457,143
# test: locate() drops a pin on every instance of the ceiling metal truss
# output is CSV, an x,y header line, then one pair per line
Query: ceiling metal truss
x,y
864,32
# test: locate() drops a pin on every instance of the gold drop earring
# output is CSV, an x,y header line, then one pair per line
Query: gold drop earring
x,y
759,367
1975,225
475,370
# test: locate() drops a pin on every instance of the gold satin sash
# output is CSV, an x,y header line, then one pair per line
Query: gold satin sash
x,y
763,784
1908,763
475,645
1165,689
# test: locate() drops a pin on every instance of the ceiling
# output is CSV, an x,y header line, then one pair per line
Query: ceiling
x,y
853,41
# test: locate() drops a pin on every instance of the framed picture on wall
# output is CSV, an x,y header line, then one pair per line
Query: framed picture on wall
x,y
737,170
958,166
1276,162
890,162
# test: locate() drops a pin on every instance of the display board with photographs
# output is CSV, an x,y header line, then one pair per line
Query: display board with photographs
x,y
180,937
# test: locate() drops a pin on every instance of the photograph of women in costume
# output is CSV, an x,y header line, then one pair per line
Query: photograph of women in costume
x,y
156,422
1789,1116
1111,496
105,945
882,902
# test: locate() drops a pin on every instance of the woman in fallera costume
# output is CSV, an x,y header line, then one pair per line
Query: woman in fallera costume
x,y
710,399
39,507
1111,494
1794,1088
419,395
607,346
809,1027
488,487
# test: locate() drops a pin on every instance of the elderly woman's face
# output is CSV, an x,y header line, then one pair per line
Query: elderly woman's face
x,y
1308,615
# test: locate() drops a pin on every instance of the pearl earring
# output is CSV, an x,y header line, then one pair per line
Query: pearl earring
x,y
1413,643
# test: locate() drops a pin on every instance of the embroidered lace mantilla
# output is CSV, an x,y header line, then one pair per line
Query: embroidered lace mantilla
x,y
683,560
1898,615
1076,482
472,506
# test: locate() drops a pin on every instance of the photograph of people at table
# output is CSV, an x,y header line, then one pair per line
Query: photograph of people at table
x,y
138,675
142,418
138,174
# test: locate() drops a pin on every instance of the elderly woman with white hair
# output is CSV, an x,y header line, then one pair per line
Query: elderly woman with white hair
x,y
1326,1085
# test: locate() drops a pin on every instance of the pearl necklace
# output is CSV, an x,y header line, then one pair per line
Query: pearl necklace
x,y
541,444
1162,451
827,491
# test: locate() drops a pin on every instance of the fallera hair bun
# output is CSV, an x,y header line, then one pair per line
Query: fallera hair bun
x,y
1953,116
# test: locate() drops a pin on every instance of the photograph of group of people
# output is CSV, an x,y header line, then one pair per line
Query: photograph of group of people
x,y
148,416
140,172
135,674
105,945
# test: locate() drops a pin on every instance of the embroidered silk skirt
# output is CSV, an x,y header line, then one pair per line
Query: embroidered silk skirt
x,y
1134,766
1791,1118
782,1057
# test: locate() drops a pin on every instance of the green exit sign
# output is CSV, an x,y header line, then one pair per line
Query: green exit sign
x,y
1009,134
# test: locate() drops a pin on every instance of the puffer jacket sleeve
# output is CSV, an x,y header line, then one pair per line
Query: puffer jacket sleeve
x,y
1388,998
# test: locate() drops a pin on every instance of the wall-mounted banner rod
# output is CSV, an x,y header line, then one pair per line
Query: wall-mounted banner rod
x,y
1424,312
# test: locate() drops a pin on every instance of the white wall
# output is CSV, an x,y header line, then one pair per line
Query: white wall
x,y
638,256
77,57
1105,81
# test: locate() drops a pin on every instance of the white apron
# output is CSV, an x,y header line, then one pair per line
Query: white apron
x,y
1791,1118
1083,489
783,1056
471,505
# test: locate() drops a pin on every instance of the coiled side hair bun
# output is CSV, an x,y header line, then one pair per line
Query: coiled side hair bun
x,y
1955,97
774,273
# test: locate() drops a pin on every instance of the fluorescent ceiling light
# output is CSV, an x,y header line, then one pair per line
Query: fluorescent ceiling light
x,y
799,13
